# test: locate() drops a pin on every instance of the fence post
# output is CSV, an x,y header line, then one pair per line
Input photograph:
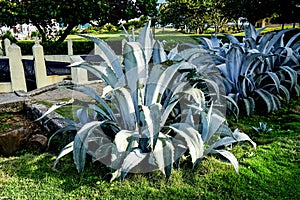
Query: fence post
x,y
40,66
17,74
79,75
6,45
70,47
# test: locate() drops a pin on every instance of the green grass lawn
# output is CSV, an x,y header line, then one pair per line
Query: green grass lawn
x,y
170,36
271,171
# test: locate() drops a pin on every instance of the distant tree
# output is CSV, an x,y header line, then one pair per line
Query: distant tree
x,y
71,13
215,15
195,14
252,10
287,12
174,11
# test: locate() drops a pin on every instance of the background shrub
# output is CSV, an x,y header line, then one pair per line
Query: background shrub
x,y
51,48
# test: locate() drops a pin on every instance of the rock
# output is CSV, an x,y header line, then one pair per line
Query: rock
x,y
38,142
12,141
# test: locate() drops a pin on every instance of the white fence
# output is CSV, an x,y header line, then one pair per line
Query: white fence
x,y
17,75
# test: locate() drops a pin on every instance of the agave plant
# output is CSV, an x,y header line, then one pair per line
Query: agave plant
x,y
262,129
258,70
149,118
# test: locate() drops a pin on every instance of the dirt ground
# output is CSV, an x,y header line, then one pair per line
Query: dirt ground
x,y
62,94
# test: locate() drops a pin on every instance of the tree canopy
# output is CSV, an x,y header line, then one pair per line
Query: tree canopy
x,y
195,14
287,11
252,10
200,14
71,13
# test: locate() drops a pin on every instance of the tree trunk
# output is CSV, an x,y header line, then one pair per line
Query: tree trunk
x,y
42,32
282,26
65,34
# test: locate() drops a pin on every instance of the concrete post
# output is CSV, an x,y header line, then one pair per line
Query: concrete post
x,y
6,45
16,68
79,75
40,66
97,50
70,47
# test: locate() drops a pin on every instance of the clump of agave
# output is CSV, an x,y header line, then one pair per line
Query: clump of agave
x,y
259,72
150,117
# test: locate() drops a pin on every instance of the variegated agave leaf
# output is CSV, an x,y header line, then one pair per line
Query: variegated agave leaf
x,y
158,81
235,137
122,99
125,141
159,54
164,154
146,40
81,141
136,68
192,139
102,71
109,56
150,117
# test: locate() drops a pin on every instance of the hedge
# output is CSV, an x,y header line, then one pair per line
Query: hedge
x,y
50,48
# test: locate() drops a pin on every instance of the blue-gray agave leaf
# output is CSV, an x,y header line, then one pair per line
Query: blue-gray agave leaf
x,y
159,54
251,32
150,124
192,138
270,100
232,39
164,154
80,146
146,39
293,42
90,92
233,65
133,159
66,150
54,107
229,156
136,66
123,101
109,56
275,42
102,71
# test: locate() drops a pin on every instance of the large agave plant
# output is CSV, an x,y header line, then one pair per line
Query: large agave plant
x,y
149,118
258,71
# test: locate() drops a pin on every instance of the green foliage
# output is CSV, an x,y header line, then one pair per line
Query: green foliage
x,y
50,48
106,28
198,16
149,117
287,12
45,14
9,36
35,34
253,10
